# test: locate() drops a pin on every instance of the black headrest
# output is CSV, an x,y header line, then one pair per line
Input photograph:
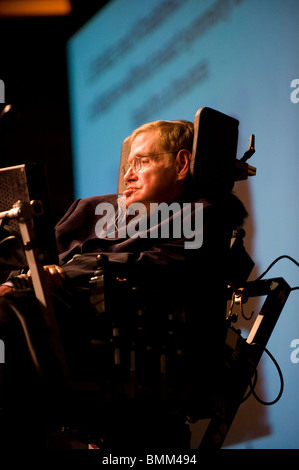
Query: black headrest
x,y
214,151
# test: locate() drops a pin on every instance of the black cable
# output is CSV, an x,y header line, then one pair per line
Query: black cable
x,y
252,386
28,339
275,261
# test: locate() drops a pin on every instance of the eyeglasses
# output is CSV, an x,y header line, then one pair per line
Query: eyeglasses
x,y
139,163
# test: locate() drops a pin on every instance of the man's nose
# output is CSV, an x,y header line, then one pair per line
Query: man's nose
x,y
130,175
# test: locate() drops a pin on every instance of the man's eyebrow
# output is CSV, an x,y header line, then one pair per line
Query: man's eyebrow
x,y
148,155
140,156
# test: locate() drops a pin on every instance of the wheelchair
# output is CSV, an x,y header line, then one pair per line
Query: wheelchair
x,y
152,351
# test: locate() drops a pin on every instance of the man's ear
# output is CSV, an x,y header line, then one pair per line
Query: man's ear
x,y
183,164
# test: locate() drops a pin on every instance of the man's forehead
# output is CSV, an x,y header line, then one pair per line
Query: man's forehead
x,y
147,141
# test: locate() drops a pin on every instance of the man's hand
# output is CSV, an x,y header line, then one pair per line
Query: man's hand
x,y
55,275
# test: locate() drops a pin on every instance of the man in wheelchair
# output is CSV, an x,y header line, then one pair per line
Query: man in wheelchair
x,y
176,268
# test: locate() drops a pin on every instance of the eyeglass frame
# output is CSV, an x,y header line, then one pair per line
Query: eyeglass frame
x,y
139,157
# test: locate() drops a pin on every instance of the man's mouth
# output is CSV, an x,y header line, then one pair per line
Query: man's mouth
x,y
130,190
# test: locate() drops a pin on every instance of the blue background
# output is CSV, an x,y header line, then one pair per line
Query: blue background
x,y
239,57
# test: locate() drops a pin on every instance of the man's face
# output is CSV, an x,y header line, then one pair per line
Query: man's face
x,y
156,180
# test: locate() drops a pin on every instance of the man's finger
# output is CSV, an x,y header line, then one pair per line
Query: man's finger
x,y
55,274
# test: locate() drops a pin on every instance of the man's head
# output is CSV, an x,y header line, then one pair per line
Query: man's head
x,y
159,162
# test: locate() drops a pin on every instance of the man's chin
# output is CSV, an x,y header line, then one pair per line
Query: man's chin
x,y
133,198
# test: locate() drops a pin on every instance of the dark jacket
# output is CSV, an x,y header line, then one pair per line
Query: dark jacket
x,y
79,241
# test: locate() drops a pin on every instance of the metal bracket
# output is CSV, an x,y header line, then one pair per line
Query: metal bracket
x,y
23,212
